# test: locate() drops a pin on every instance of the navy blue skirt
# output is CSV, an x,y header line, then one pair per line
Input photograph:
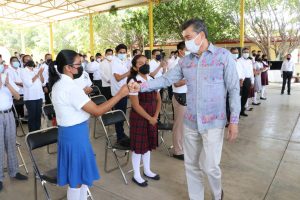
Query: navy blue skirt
x,y
76,163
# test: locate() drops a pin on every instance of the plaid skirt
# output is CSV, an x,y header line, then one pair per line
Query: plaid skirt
x,y
264,78
143,136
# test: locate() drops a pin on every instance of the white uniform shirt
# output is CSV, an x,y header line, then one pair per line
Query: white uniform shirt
x,y
240,71
288,66
139,78
84,80
258,66
247,66
181,89
95,68
153,66
106,72
5,94
118,67
15,76
68,100
32,90
45,73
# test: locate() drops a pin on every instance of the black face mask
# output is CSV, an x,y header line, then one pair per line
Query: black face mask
x,y
48,61
92,60
158,57
80,71
145,69
254,54
288,58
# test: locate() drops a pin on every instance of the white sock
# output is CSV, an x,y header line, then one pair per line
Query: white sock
x,y
247,103
136,161
263,91
83,192
146,162
255,97
73,194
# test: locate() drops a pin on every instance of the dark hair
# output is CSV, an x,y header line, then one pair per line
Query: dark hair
x,y
80,55
63,58
109,50
198,26
245,49
135,51
0,56
30,63
47,54
253,51
154,51
133,72
258,58
98,54
23,58
233,48
180,46
121,46
289,54
13,57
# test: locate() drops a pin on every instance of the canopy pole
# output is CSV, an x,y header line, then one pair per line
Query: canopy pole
x,y
51,49
22,42
91,34
151,33
242,23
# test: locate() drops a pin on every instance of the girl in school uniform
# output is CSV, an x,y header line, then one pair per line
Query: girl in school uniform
x,y
264,77
8,128
258,67
76,160
143,121
33,79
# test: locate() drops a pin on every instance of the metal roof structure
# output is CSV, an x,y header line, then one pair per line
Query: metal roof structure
x,y
35,12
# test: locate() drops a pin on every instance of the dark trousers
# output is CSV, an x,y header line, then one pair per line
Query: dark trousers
x,y
47,97
245,93
286,76
106,92
34,108
170,92
121,105
98,83
91,75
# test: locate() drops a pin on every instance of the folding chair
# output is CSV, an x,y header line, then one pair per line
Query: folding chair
x,y
96,91
23,164
20,119
163,128
107,119
99,99
36,140
48,111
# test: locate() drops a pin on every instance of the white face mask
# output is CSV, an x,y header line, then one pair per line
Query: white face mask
x,y
109,57
192,46
98,60
246,55
122,56
235,56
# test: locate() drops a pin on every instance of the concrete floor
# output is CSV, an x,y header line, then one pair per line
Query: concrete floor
x,y
263,164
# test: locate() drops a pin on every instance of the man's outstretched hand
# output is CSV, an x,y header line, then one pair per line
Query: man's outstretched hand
x,y
134,87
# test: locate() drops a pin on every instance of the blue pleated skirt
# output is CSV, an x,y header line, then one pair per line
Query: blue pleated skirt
x,y
76,163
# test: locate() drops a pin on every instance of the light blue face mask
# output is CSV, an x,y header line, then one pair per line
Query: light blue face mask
x,y
122,56
1,68
16,64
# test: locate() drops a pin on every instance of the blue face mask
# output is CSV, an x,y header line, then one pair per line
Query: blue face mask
x,y
122,56
1,68
16,64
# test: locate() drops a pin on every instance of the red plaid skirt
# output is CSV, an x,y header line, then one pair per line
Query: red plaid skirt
x,y
264,78
143,136
251,92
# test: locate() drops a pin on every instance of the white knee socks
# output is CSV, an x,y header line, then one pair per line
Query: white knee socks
x,y
263,90
73,193
255,97
146,162
136,161
83,192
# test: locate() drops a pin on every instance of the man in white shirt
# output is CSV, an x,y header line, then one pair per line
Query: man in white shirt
x,y
45,65
157,68
246,64
120,72
84,80
287,70
106,74
94,70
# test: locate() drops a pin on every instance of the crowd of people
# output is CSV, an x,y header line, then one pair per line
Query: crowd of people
x,y
198,75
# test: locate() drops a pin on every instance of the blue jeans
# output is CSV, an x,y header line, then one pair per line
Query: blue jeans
x,y
34,108
121,105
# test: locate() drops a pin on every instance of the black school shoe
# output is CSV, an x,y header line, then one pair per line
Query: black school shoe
x,y
156,177
179,157
143,184
20,177
1,186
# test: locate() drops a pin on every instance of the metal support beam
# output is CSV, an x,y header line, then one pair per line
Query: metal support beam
x,y
242,23
51,47
92,49
151,32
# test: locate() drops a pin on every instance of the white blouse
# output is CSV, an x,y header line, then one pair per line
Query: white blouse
x,y
32,90
68,99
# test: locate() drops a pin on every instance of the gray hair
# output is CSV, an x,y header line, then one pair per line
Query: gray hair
x,y
198,26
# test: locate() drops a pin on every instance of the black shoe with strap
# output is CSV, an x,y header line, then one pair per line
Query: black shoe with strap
x,y
244,114
179,157
20,177
143,184
156,177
